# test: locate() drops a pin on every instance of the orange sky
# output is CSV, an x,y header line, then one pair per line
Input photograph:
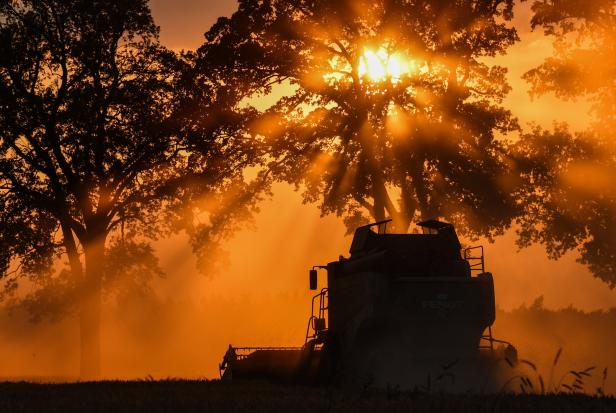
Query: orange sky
x,y
290,237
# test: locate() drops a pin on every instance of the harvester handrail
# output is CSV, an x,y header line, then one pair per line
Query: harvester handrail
x,y
477,266
322,296
491,340
378,224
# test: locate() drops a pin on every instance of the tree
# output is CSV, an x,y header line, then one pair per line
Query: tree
x,y
569,195
393,110
96,138
584,55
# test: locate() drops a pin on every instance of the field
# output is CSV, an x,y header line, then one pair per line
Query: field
x,y
214,396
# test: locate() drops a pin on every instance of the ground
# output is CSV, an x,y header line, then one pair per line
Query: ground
x,y
214,396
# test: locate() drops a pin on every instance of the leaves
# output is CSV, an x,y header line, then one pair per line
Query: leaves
x,y
417,143
568,195
102,131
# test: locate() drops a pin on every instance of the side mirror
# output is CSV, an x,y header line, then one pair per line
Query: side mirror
x,y
313,279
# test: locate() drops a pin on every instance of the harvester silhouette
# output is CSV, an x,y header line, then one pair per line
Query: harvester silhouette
x,y
402,307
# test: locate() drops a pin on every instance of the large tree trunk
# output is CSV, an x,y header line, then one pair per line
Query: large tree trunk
x,y
382,203
90,311
379,201
367,140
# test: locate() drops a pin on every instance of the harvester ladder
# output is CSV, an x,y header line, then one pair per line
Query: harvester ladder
x,y
476,262
317,323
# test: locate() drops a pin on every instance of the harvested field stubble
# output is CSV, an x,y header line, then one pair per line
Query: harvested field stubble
x,y
214,396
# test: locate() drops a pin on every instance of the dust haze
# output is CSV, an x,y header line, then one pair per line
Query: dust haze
x,y
184,328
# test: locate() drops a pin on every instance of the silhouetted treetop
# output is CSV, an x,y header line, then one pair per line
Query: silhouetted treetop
x,y
569,193
568,196
391,108
584,34
105,133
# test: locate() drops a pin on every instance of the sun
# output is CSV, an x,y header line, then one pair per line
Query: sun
x,y
380,66
374,66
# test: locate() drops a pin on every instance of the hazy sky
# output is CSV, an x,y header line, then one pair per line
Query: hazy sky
x,y
290,237
183,22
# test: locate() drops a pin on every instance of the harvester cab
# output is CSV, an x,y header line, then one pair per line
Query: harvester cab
x,y
398,307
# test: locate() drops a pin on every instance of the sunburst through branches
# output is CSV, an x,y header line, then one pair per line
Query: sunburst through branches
x,y
382,65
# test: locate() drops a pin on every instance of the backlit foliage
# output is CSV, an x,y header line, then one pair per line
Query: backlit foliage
x,y
569,195
393,112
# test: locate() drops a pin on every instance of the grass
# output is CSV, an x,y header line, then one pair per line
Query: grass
x,y
572,382
214,396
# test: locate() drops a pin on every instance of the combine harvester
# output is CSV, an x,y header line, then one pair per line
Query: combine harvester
x,y
403,310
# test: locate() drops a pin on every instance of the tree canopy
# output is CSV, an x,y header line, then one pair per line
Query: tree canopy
x,y
393,111
100,136
569,195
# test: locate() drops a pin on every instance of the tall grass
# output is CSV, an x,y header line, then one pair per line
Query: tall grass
x,y
570,382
